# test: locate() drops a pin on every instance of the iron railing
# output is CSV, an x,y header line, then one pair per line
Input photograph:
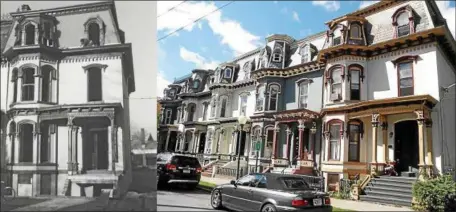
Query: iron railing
x,y
229,171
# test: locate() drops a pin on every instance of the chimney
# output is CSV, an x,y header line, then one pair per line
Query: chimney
x,y
143,135
25,7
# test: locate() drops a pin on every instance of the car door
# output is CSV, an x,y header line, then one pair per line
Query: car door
x,y
240,197
258,193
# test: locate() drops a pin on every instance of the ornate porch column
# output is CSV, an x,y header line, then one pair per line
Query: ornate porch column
x,y
385,139
274,141
233,141
74,149
36,144
375,122
16,145
195,141
421,119
301,145
313,132
80,153
287,155
167,140
429,141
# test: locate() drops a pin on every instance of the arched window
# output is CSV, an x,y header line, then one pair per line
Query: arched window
x,y
303,87
336,84
94,80
26,143
305,54
355,31
354,135
355,73
30,34
14,83
403,21
191,112
335,128
403,25
168,116
47,38
243,104
28,84
273,96
46,89
94,33
228,73
260,98
223,108
214,108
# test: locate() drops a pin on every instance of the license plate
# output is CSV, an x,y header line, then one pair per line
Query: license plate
x,y
186,171
317,202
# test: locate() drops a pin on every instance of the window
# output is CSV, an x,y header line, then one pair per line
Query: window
x,y
303,94
47,34
246,180
205,106
228,73
405,79
295,183
214,108
223,108
305,54
172,92
273,95
168,117
355,31
46,90
336,84
355,84
247,68
183,113
196,84
269,142
334,141
191,111
26,143
94,84
354,139
403,24
45,143
28,84
261,181
30,34
14,82
94,33
260,99
243,105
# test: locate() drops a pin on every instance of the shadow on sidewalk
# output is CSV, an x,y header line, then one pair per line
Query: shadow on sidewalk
x,y
20,202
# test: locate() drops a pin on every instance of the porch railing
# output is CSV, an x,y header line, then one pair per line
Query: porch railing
x,y
229,171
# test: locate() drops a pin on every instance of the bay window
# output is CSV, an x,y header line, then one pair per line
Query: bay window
x,y
273,96
355,75
223,108
336,84
168,117
334,140
28,84
260,99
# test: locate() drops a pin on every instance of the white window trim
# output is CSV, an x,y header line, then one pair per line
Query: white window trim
x,y
246,95
269,96
298,93
258,93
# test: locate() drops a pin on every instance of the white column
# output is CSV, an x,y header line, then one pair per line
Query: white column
x,y
167,140
8,146
17,147
19,87
37,89
233,143
23,37
36,144
120,149
110,148
79,150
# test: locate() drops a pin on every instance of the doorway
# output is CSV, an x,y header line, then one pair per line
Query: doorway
x,y
172,142
202,143
96,147
406,146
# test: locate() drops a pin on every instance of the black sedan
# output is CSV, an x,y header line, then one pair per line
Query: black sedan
x,y
269,192
178,169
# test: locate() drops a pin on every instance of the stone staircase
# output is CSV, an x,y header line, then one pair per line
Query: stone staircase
x,y
207,172
389,190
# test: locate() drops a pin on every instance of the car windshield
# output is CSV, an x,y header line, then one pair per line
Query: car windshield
x,y
185,161
295,183
163,157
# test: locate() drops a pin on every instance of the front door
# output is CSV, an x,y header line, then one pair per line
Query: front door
x,y
99,149
406,146
202,143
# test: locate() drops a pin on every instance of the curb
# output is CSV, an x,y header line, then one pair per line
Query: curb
x,y
205,188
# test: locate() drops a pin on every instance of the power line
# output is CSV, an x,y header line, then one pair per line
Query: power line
x,y
172,8
177,30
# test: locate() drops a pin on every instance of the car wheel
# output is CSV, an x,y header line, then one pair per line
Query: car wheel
x,y
269,208
216,199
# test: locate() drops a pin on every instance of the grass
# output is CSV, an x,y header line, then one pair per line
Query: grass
x,y
208,185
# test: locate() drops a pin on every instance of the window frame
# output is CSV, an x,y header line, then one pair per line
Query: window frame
x,y
213,108
23,151
412,77
223,107
243,107
359,124
228,73
260,96
360,69
407,10
191,111
168,116
30,85
305,82
89,72
305,53
333,83
270,95
205,107
340,123
14,77
360,36
27,35
49,71
277,55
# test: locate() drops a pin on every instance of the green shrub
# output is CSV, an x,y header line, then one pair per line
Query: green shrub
x,y
430,194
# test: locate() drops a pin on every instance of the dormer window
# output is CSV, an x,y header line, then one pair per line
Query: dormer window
x,y
196,84
355,31
30,34
247,68
172,93
47,38
95,31
403,28
277,55
305,54
403,21
228,73
94,34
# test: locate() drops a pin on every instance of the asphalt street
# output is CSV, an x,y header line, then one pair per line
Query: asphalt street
x,y
183,200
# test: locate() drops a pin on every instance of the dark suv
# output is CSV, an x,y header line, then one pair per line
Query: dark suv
x,y
178,169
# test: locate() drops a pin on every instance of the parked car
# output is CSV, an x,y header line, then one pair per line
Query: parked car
x,y
178,169
270,192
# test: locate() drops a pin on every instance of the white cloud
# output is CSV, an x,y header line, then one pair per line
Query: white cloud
x,y
330,6
162,83
364,4
230,31
197,59
296,16
449,13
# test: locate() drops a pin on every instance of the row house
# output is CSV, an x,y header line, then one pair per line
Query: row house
x,y
66,75
368,92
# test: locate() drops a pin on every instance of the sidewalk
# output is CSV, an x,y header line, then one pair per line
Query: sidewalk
x,y
338,203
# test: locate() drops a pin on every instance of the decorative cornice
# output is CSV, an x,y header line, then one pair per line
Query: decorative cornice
x,y
235,85
70,10
287,72
299,114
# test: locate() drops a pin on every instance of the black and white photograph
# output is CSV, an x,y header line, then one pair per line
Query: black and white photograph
x,y
78,105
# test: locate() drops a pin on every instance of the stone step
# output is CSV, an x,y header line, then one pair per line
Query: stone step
x,y
384,200
388,189
409,180
389,194
392,185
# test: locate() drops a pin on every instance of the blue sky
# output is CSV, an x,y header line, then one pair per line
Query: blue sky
x,y
239,28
